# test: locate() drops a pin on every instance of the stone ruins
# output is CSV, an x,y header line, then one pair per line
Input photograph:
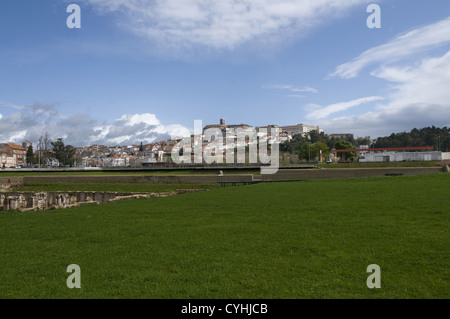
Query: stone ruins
x,y
35,201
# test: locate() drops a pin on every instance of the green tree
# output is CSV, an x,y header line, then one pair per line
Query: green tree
x,y
309,151
63,153
345,145
428,136
30,155
324,148
314,136
363,141
294,145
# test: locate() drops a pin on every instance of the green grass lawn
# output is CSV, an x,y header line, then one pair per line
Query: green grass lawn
x,y
60,172
311,239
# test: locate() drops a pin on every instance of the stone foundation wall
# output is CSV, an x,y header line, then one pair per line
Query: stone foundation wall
x,y
31,201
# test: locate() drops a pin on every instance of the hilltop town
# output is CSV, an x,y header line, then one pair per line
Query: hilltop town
x,y
15,156
299,142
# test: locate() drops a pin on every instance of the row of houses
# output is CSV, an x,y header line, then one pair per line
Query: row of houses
x,y
12,155
124,156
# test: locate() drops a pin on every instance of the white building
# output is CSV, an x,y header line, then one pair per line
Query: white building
x,y
301,129
403,156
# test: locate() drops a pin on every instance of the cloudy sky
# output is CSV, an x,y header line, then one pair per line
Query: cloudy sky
x,y
144,70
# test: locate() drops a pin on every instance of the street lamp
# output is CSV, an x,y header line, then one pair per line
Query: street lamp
x,y
309,157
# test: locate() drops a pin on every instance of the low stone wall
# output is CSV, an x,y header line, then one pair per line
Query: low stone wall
x,y
32,201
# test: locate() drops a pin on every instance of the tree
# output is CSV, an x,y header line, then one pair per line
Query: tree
x,y
294,145
310,152
345,145
30,155
63,153
428,136
314,136
363,141
44,152
324,148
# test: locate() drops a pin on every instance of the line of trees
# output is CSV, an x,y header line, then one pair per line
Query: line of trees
x,y
48,150
308,147
428,136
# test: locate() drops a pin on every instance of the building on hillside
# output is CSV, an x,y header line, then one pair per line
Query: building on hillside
x,y
269,129
17,152
302,129
228,130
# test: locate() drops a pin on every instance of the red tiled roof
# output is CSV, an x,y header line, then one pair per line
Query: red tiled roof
x,y
16,147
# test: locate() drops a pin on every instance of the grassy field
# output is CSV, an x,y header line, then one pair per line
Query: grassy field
x,y
311,239
61,172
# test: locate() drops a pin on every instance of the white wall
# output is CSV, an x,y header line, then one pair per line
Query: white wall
x,y
402,156
446,156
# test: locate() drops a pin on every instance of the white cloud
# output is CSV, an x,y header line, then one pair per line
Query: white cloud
x,y
383,123
424,83
136,128
221,24
32,121
411,43
7,104
291,88
420,97
134,119
324,112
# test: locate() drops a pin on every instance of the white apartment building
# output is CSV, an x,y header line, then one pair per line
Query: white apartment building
x,y
301,129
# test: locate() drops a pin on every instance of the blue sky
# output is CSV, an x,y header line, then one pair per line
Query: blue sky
x,y
140,71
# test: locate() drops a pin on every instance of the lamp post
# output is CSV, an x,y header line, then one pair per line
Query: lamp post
x,y
309,157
